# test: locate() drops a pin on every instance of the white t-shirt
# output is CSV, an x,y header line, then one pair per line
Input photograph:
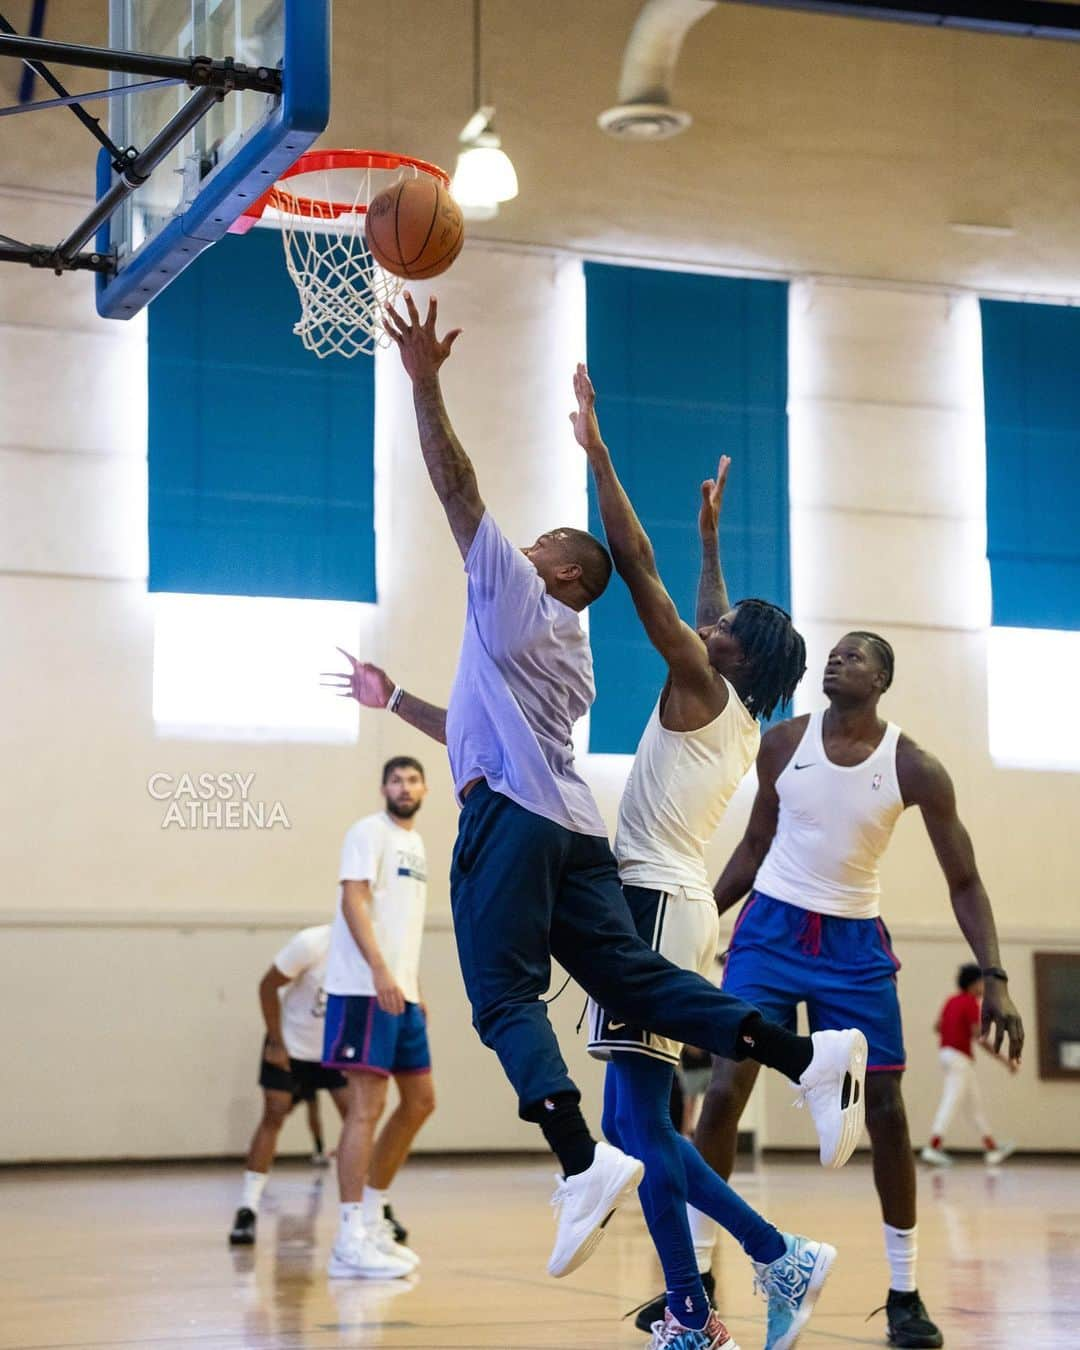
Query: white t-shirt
x,y
303,1001
378,851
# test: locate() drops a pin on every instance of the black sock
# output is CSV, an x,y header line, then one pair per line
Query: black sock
x,y
774,1047
565,1130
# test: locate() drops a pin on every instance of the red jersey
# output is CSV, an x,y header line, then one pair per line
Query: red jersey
x,y
959,1020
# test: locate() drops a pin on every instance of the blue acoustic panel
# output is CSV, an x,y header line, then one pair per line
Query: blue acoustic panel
x,y
261,456
1031,356
710,379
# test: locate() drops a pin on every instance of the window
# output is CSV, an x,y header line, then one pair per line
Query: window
x,y
1030,358
687,367
1031,355
260,455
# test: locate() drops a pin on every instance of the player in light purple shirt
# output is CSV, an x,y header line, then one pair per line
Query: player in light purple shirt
x,y
532,875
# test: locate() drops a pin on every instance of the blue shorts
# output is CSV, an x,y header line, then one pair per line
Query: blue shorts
x,y
359,1035
844,970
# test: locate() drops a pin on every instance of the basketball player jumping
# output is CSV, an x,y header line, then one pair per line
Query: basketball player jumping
x,y
532,875
831,786
698,745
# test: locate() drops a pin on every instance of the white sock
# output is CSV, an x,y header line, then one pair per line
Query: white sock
x,y
703,1234
352,1215
251,1191
902,1249
373,1204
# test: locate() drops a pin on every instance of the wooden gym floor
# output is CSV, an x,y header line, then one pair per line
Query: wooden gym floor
x,y
136,1257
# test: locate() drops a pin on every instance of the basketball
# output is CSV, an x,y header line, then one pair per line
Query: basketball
x,y
414,228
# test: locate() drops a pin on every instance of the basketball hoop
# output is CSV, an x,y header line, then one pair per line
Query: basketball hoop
x,y
343,291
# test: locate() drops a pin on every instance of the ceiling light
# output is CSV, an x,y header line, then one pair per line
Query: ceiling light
x,y
483,175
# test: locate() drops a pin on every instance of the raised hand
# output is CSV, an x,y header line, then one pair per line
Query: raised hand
x,y
712,497
368,684
586,427
422,353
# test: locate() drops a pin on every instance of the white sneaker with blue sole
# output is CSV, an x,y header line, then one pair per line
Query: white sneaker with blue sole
x,y
792,1284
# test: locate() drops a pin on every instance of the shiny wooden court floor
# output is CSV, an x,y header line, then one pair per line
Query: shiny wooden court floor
x,y
137,1257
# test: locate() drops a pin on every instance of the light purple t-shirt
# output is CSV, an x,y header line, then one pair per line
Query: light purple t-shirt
x,y
524,678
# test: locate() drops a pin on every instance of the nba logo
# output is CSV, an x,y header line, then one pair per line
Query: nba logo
x,y
876,783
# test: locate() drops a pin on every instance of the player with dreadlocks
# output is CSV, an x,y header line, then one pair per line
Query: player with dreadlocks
x,y
831,787
741,664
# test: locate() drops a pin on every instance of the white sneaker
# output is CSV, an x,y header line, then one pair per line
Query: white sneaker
x,y
381,1233
996,1156
936,1157
586,1201
833,1089
358,1258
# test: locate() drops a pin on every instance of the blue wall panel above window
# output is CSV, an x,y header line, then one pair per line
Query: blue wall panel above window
x,y
687,367
1031,381
261,456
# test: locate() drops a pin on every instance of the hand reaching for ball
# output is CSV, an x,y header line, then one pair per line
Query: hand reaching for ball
x,y
422,352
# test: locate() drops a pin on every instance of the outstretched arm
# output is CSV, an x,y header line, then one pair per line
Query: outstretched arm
x,y
631,549
373,688
712,592
925,783
449,467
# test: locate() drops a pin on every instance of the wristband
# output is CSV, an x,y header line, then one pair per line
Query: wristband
x,y
996,973
395,698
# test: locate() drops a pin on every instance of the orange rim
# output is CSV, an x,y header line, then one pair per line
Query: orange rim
x,y
315,161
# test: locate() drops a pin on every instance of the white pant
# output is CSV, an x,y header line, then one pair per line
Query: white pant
x,y
961,1088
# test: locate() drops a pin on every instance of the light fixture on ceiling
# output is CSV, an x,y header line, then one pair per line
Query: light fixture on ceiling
x,y
483,175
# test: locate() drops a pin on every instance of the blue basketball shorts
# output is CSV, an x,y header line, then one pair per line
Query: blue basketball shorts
x,y
360,1036
844,970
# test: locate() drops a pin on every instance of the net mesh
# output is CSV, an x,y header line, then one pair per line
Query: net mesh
x,y
343,291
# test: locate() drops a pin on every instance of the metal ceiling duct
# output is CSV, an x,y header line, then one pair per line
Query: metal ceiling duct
x,y
644,110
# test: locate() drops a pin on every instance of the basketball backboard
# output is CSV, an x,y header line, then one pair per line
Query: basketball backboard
x,y
232,155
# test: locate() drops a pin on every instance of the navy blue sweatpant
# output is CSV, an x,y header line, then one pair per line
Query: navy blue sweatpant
x,y
523,890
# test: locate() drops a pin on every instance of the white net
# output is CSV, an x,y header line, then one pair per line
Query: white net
x,y
343,291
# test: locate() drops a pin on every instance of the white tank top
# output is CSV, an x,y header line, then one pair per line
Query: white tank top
x,y
834,825
678,789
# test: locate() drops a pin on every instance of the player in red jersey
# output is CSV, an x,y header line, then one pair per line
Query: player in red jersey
x,y
957,1027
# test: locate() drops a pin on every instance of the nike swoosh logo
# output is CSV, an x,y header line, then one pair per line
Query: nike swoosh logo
x,y
806,766
615,1026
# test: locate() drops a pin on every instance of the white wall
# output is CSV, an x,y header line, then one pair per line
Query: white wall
x,y
129,954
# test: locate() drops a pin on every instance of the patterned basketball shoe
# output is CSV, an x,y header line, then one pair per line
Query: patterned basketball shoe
x,y
670,1334
791,1284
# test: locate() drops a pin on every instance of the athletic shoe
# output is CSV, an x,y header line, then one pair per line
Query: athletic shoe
x,y
319,1159
670,1334
381,1233
909,1325
652,1312
401,1234
585,1202
791,1284
994,1157
243,1229
832,1089
356,1257
936,1157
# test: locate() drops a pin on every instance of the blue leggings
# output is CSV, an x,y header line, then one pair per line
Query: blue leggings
x,y
637,1119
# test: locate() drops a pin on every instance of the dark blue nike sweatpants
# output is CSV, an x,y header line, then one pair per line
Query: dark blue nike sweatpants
x,y
523,890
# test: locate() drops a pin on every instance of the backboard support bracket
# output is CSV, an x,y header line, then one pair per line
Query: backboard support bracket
x,y
299,90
